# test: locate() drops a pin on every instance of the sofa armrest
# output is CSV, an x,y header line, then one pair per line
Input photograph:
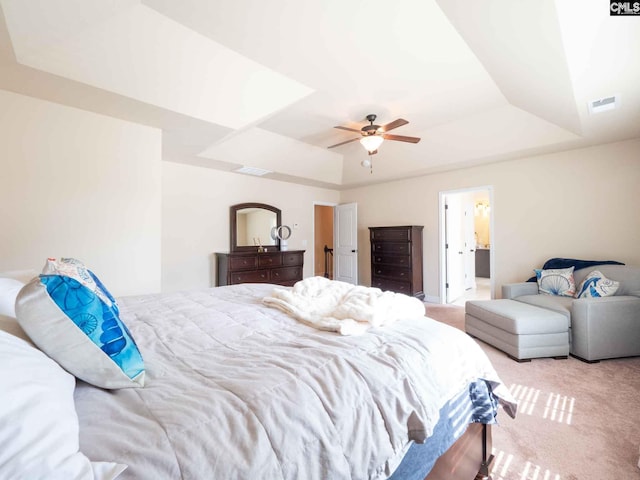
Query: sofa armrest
x,y
512,290
605,327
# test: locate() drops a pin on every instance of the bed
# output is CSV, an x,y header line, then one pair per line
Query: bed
x,y
237,389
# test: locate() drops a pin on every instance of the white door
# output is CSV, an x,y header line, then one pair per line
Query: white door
x,y
454,245
345,244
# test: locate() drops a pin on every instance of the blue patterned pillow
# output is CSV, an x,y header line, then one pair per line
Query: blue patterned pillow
x,y
556,281
597,285
81,331
71,267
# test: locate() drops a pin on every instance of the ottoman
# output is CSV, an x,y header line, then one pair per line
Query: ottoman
x,y
520,330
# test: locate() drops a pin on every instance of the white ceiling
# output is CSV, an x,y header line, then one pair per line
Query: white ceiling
x,y
261,84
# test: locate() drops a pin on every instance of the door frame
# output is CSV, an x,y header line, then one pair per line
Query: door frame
x,y
442,253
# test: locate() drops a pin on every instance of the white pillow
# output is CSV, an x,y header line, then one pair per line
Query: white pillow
x,y
9,288
38,421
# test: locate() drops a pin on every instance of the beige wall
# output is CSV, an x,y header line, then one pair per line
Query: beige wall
x,y
579,204
195,218
481,225
82,185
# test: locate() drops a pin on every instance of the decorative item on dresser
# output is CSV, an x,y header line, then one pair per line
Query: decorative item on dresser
x,y
282,268
396,259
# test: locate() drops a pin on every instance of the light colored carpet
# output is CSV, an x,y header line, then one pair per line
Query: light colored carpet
x,y
575,420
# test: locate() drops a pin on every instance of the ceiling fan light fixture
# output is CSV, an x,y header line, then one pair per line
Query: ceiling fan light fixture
x,y
371,142
366,163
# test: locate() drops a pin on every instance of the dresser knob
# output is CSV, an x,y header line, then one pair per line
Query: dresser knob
x,y
276,274
262,275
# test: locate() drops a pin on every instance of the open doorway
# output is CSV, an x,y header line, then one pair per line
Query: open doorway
x,y
466,247
323,241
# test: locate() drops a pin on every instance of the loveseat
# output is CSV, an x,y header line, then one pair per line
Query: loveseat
x,y
599,328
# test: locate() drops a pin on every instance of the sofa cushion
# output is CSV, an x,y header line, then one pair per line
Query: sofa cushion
x,y
629,277
556,281
551,302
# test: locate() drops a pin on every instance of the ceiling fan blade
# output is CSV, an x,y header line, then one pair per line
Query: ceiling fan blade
x,y
348,129
401,138
395,124
342,143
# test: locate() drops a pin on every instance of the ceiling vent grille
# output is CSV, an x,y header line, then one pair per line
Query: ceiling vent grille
x,y
604,104
258,172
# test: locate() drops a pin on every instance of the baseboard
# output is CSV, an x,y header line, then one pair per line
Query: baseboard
x,y
431,299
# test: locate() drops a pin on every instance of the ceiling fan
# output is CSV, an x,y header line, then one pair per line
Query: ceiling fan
x,y
372,135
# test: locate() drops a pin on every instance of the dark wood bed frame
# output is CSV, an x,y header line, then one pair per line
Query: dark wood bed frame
x,y
468,459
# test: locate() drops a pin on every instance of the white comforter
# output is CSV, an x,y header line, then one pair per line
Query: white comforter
x,y
342,307
237,390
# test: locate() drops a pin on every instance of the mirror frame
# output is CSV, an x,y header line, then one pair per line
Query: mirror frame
x,y
233,212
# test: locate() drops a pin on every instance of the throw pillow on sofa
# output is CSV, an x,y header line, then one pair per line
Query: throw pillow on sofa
x,y
556,281
596,285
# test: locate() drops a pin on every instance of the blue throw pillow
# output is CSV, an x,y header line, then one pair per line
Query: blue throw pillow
x,y
81,331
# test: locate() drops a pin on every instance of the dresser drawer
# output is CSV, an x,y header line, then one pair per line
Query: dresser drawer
x,y
286,274
269,260
245,262
395,273
391,235
399,248
255,276
283,268
293,258
398,260
392,285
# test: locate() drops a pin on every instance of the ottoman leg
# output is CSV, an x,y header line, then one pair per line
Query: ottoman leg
x,y
519,360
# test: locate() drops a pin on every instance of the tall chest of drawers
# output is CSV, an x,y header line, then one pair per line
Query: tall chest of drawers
x,y
396,259
279,267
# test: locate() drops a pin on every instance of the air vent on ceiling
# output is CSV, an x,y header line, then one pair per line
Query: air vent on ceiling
x,y
604,104
252,171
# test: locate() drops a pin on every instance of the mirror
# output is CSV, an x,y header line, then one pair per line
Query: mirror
x,y
251,226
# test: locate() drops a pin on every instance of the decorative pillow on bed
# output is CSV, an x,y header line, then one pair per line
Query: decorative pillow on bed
x,y
73,268
556,281
77,328
597,285
38,421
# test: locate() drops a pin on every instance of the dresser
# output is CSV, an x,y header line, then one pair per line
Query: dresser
x,y
396,259
282,268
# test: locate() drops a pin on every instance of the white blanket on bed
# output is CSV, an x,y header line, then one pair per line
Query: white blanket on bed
x,y
342,307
